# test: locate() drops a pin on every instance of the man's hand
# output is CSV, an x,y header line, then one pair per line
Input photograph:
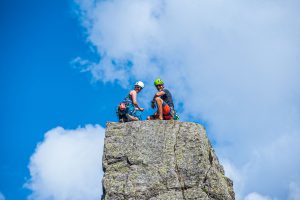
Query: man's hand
x,y
142,109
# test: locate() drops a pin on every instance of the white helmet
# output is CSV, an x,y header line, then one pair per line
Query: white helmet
x,y
140,83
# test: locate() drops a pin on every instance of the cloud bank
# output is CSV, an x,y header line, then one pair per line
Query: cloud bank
x,y
67,165
256,196
233,64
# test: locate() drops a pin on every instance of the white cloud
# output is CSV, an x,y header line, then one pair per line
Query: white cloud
x,y
294,189
256,196
234,64
2,196
236,175
67,164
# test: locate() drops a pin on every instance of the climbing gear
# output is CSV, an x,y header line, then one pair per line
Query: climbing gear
x,y
158,81
167,115
167,112
175,115
171,115
122,106
139,83
121,111
126,111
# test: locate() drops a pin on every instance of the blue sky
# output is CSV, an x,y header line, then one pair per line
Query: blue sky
x,y
39,88
231,65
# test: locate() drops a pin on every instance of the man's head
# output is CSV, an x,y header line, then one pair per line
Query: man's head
x,y
159,84
138,86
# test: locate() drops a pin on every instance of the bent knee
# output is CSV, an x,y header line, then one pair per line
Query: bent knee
x,y
158,99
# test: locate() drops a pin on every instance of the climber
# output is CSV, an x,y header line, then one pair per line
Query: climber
x,y
129,109
164,103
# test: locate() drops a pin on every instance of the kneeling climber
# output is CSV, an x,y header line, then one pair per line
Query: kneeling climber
x,y
164,102
129,109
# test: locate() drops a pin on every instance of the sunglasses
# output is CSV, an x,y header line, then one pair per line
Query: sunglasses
x,y
136,86
159,85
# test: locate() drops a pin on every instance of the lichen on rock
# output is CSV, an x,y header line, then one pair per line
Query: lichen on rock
x,y
162,160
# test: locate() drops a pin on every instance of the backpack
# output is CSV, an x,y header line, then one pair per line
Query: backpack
x,y
122,111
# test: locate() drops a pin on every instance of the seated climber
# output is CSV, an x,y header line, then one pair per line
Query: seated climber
x,y
163,101
129,109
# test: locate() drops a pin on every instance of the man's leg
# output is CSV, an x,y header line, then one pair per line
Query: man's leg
x,y
131,113
132,118
159,103
153,117
150,118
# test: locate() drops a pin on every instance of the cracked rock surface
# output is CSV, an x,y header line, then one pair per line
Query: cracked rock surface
x,y
159,160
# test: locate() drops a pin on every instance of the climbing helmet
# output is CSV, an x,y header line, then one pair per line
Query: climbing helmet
x,y
158,81
139,83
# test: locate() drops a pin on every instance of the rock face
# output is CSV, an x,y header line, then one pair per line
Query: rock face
x,y
162,160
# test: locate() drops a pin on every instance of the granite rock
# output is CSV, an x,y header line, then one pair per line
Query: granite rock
x,y
159,160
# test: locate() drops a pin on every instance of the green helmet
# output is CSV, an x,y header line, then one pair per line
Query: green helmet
x,y
158,81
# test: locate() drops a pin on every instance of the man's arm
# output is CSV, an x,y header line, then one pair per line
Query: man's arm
x,y
134,101
158,94
133,96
